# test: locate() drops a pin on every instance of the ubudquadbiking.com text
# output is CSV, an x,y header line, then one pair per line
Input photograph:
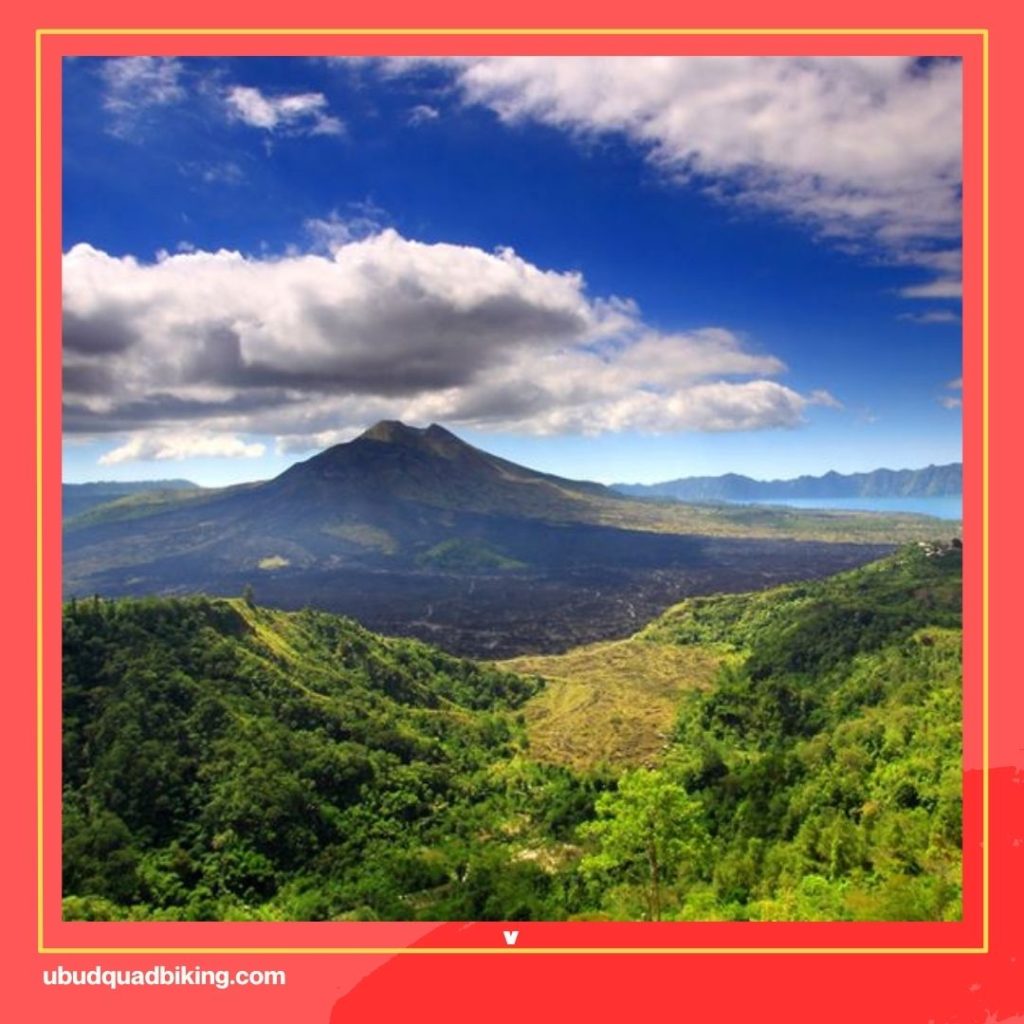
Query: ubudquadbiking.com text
x,y
106,977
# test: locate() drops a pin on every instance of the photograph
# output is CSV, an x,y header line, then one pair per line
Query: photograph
x,y
512,488
514,514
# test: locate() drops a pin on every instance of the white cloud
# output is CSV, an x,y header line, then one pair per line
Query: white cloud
x,y
865,149
133,85
308,347
181,445
423,113
943,288
301,113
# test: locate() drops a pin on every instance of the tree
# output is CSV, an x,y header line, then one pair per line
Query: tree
x,y
647,831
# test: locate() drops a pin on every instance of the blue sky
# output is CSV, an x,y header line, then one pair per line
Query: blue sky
x,y
620,269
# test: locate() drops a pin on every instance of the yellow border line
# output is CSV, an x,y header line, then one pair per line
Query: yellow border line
x,y
392,950
39,482
506,951
514,31
984,493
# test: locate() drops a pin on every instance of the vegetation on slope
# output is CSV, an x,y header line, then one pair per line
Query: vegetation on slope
x,y
136,506
827,761
78,498
824,755
226,761
466,555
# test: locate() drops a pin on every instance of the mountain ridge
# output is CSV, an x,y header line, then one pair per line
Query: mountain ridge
x,y
80,497
930,481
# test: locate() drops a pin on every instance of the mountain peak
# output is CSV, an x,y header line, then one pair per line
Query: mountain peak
x,y
435,438
391,432
396,430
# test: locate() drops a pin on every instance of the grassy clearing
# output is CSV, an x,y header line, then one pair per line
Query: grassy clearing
x,y
612,703
273,562
365,535
467,554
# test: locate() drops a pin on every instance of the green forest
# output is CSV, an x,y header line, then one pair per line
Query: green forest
x,y
225,761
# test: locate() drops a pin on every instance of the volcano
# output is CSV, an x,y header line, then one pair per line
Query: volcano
x,y
413,531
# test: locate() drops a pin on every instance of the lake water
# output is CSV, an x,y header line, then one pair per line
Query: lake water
x,y
942,508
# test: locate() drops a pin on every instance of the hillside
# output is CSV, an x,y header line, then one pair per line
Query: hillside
x,y
616,703
816,737
79,498
226,761
796,752
932,481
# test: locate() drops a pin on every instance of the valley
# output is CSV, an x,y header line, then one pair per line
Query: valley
x,y
599,584
797,749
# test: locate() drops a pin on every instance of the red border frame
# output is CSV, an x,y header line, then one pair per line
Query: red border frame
x,y
795,987
967,934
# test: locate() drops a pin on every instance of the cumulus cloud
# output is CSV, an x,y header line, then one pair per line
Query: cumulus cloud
x,y
296,113
865,149
135,85
181,445
307,348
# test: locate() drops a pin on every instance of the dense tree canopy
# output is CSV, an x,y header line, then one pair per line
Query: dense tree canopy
x,y
226,761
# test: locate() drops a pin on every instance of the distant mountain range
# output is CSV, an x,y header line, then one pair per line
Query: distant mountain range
x,y
79,498
930,482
